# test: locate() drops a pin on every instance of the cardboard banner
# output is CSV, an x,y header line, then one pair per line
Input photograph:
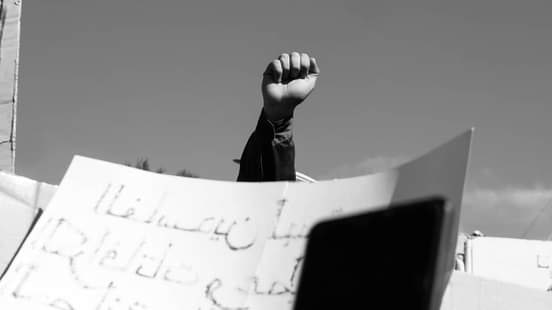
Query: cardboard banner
x,y
116,237
10,16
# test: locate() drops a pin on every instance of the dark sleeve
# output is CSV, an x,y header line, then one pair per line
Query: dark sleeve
x,y
269,154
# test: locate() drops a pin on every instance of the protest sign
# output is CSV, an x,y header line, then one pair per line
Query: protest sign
x,y
114,236
117,237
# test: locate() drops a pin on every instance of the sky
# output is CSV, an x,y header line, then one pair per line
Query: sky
x,y
178,82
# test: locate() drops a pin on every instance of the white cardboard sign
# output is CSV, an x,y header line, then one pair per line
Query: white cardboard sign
x,y
114,237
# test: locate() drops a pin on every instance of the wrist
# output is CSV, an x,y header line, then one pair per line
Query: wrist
x,y
277,126
277,115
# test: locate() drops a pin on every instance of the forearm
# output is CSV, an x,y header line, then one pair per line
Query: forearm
x,y
269,154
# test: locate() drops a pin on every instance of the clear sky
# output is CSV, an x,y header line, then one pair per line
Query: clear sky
x,y
179,82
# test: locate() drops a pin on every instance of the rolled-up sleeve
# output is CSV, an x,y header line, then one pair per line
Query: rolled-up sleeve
x,y
269,154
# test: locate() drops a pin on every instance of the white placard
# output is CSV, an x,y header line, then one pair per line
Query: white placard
x,y
115,237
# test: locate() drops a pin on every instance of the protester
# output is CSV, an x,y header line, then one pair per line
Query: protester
x,y
269,154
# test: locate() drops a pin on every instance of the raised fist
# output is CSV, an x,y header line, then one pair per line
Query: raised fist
x,y
287,81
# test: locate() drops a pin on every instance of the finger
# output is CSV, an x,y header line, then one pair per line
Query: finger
x,y
295,65
284,60
314,69
274,71
305,64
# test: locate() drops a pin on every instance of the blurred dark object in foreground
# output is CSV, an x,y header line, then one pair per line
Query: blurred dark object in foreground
x,y
395,258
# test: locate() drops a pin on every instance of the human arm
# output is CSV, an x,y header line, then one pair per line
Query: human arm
x,y
269,154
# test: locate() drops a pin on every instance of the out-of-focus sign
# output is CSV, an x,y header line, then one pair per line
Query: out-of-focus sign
x,y
470,292
524,262
19,200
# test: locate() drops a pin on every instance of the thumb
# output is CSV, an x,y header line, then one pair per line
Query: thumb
x,y
273,71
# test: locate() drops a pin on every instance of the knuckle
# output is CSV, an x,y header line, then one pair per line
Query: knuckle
x,y
276,64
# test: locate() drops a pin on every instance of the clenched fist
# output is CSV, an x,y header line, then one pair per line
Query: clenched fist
x,y
287,81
